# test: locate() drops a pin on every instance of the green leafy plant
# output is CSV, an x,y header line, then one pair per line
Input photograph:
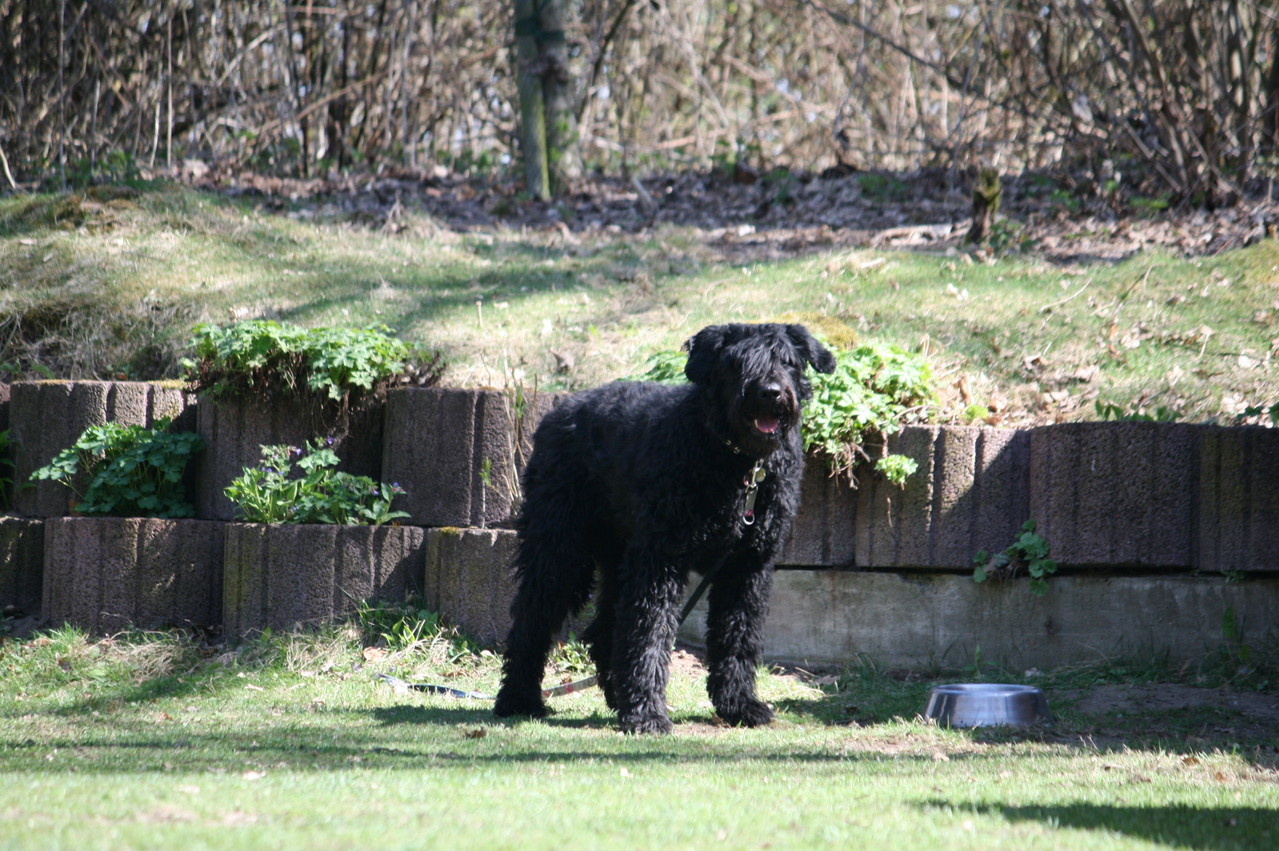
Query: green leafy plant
x,y
665,368
896,468
573,657
300,485
132,470
1110,412
1029,553
873,391
261,357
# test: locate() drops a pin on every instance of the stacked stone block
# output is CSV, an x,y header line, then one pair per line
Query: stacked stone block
x,y
21,564
460,453
104,574
1238,526
283,577
49,416
1117,494
969,493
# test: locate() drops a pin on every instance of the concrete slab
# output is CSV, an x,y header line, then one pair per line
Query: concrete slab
x,y
916,620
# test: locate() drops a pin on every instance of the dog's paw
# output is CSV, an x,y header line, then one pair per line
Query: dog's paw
x,y
746,713
645,724
511,706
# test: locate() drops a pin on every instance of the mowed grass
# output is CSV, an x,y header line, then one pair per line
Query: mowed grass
x,y
1019,336
157,742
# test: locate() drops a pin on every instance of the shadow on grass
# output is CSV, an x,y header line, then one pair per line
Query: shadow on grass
x,y
1174,825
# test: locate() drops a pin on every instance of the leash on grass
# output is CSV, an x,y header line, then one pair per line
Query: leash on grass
x,y
553,691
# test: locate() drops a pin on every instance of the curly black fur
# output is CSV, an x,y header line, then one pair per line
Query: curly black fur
x,y
645,483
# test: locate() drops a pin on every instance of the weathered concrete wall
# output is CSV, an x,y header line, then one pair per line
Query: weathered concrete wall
x,y
469,580
235,431
1238,525
287,576
21,563
1120,493
48,416
970,493
107,573
1162,497
459,453
920,620
824,531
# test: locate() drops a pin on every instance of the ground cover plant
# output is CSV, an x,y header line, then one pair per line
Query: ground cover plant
x,y
129,470
317,492
162,740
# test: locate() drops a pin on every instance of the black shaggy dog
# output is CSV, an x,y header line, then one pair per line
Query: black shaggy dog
x,y
644,483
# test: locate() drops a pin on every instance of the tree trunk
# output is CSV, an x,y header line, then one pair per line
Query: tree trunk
x,y
987,193
561,122
528,75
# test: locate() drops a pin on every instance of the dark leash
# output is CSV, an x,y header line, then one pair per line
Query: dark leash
x,y
747,517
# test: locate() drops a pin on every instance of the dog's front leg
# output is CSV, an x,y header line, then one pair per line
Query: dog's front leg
x,y
738,605
643,631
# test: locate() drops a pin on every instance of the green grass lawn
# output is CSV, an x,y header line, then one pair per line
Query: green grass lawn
x,y
105,287
157,742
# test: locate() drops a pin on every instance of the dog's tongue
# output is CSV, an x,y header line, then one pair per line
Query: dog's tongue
x,y
767,425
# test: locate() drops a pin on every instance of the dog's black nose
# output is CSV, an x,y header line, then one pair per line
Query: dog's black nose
x,y
770,392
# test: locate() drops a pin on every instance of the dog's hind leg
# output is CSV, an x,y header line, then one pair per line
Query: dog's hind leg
x,y
737,607
555,577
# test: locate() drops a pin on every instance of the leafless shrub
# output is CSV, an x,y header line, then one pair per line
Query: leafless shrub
x,y
1179,95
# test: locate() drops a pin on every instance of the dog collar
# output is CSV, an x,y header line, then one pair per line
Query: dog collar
x,y
751,483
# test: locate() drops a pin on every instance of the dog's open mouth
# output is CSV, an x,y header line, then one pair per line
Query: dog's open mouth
x,y
767,425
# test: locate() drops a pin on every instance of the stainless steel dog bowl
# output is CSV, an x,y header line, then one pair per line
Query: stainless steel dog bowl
x,y
987,705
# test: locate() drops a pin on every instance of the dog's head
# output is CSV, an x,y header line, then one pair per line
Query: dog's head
x,y
754,375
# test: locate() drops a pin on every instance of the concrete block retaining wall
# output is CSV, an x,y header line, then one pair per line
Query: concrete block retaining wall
x,y
283,577
459,454
107,573
21,564
234,434
48,416
883,570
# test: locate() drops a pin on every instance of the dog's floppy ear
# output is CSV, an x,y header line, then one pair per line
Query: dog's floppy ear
x,y
703,350
814,352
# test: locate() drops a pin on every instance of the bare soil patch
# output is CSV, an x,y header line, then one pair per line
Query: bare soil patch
x,y
750,217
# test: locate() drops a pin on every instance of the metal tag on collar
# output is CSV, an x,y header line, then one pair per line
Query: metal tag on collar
x,y
752,480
